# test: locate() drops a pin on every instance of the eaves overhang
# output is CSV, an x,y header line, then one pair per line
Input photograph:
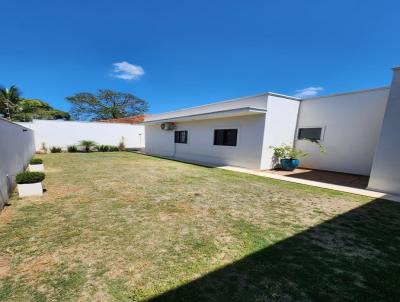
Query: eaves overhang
x,y
243,111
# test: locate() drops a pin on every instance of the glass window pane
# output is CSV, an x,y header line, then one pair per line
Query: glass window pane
x,y
310,133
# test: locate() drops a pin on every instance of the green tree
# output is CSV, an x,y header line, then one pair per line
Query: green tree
x,y
9,99
29,109
105,104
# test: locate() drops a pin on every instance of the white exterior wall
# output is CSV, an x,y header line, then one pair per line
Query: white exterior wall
x,y
280,126
385,175
16,149
64,133
352,124
200,146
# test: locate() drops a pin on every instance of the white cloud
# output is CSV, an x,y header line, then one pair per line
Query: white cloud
x,y
127,71
308,92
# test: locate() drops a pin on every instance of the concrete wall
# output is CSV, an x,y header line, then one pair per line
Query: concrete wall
x,y
385,175
63,133
200,147
16,149
352,124
280,126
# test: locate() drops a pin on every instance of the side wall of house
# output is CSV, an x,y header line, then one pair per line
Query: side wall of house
x,y
200,146
280,127
64,133
385,175
351,124
17,147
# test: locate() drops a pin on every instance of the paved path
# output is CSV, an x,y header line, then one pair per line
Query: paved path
x,y
315,183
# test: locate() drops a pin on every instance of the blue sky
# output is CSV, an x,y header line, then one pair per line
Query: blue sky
x,y
177,54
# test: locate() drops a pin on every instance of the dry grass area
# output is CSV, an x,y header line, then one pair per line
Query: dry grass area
x,y
128,227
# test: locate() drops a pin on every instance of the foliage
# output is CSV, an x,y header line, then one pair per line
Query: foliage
x,y
72,149
87,144
55,149
107,148
29,109
121,145
29,177
103,148
18,109
9,99
105,104
36,161
287,152
43,147
321,147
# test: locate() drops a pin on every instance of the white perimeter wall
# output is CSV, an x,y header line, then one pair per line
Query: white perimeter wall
x,y
280,126
385,175
200,147
64,133
16,149
352,124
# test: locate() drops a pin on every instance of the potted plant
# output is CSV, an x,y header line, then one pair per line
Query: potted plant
x,y
36,165
30,183
288,157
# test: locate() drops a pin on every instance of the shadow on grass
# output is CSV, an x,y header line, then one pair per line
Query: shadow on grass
x,y
353,257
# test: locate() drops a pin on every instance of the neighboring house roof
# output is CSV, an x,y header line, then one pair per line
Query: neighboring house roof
x,y
135,119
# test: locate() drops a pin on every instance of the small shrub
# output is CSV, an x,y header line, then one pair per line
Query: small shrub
x,y
88,145
29,177
113,148
36,161
103,148
121,146
55,149
44,148
72,149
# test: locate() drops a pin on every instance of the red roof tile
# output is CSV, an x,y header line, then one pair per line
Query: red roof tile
x,y
135,119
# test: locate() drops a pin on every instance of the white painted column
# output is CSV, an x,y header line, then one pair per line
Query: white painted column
x,y
385,174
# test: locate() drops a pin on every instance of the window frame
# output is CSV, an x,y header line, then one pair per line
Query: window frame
x,y
179,137
225,136
311,127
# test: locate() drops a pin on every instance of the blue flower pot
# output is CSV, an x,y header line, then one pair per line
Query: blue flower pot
x,y
289,164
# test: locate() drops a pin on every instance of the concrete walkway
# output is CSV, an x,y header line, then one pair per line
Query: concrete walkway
x,y
315,183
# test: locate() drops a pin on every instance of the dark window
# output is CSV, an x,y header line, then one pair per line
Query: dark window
x,y
313,134
225,137
181,137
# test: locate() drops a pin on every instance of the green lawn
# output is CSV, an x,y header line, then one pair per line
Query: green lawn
x,y
128,227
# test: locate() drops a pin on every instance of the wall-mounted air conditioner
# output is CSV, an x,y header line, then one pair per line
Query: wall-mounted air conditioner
x,y
168,126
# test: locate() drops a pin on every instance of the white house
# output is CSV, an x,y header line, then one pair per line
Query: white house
x,y
59,133
240,132
236,132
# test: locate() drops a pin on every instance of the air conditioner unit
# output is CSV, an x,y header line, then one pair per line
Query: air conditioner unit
x,y
168,126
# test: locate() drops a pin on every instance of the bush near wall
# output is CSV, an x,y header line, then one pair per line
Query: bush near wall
x,y
29,177
36,161
55,149
107,148
72,149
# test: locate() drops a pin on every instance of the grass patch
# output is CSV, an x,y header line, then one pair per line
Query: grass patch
x,y
127,227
